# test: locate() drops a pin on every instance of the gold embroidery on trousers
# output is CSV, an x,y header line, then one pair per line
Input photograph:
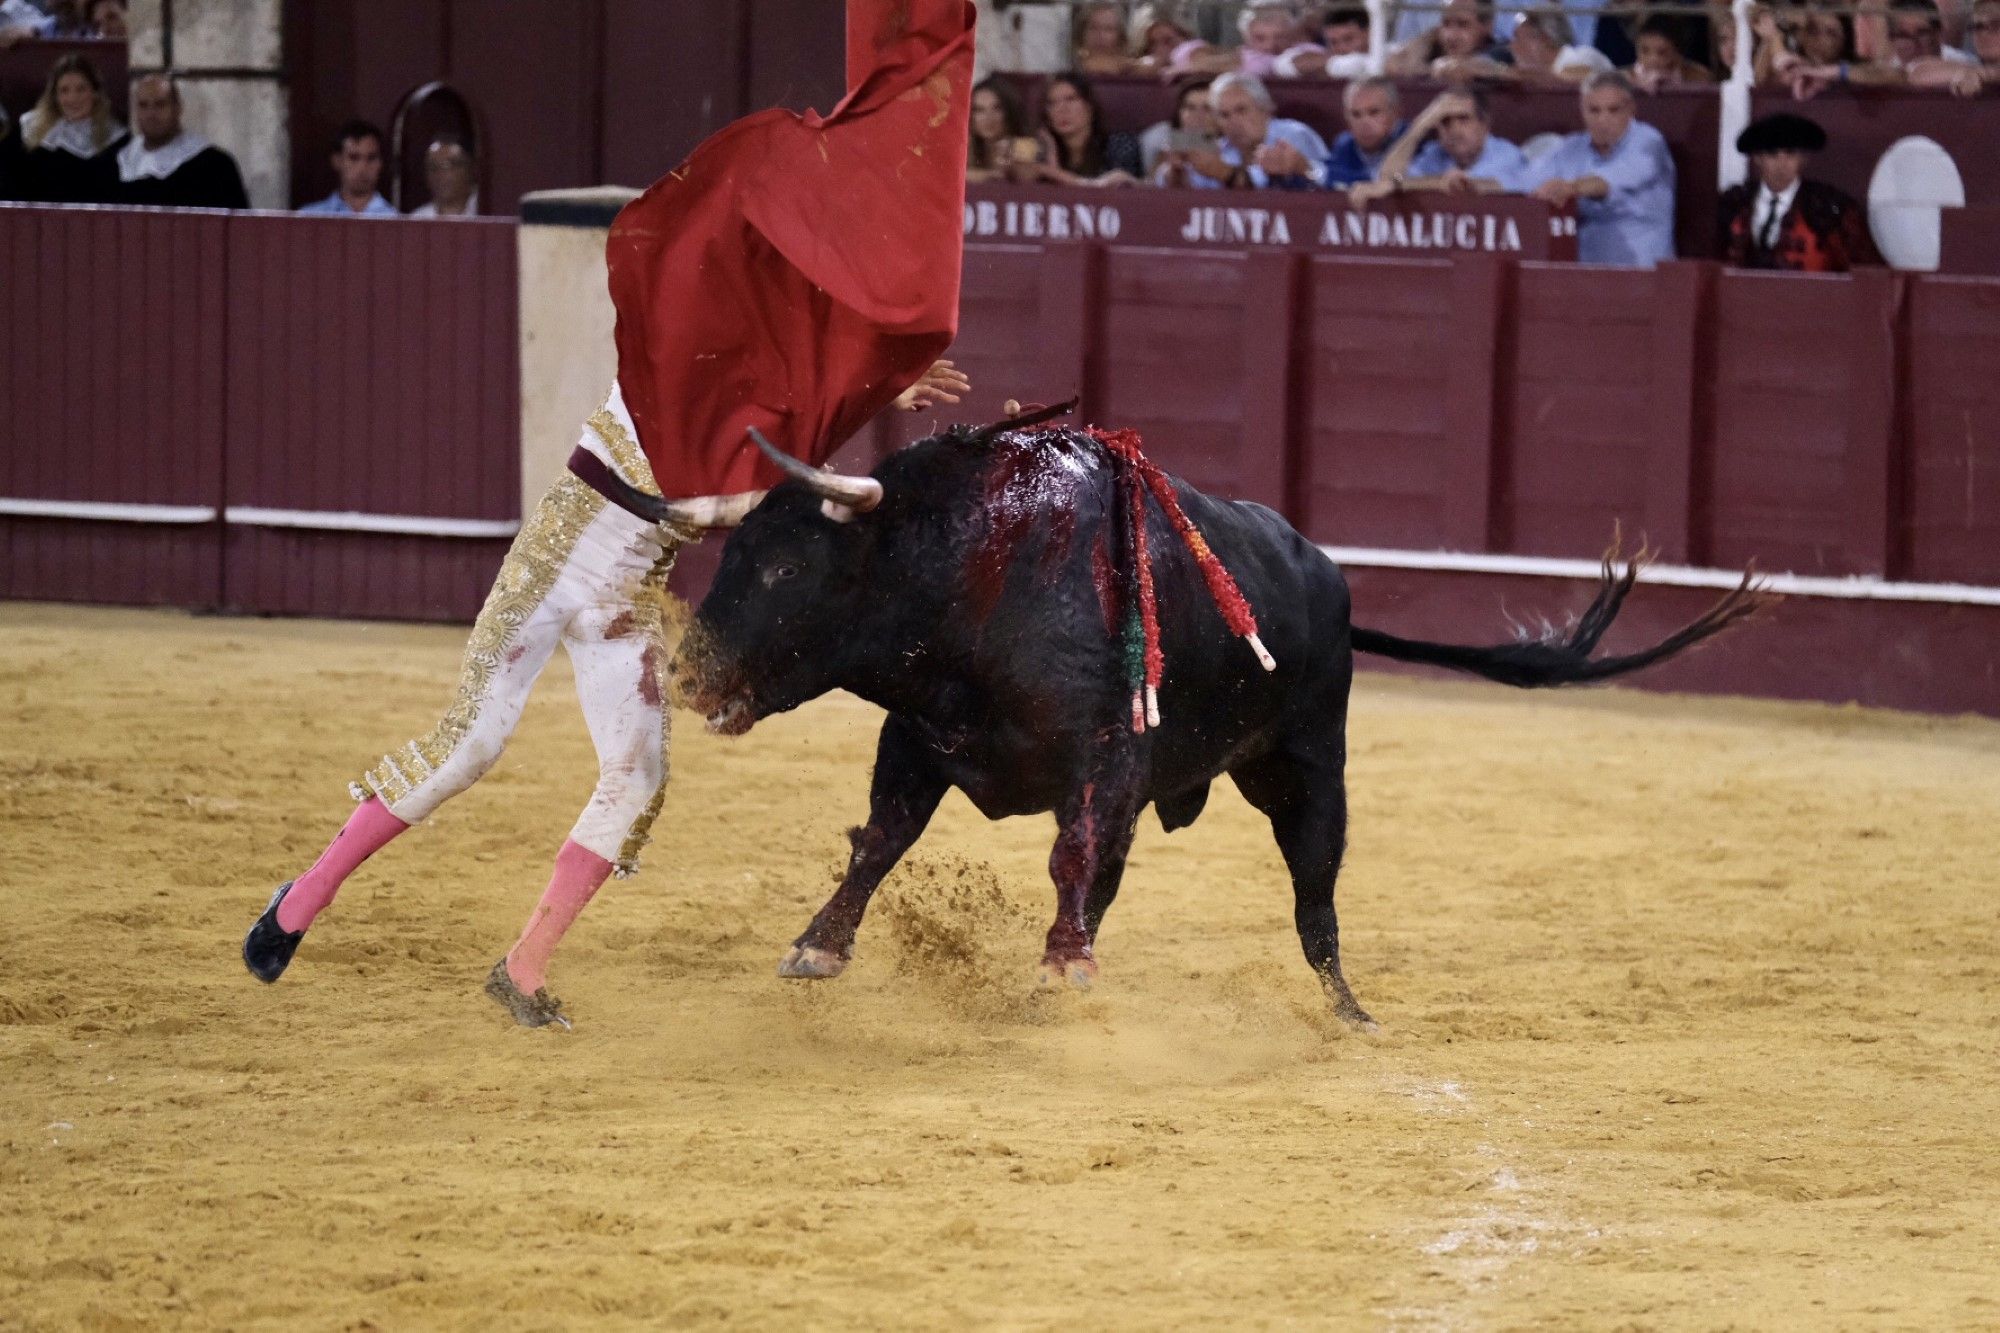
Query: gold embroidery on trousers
x,y
533,564
651,607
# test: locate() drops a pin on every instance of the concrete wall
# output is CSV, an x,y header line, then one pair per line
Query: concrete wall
x,y
567,357
229,58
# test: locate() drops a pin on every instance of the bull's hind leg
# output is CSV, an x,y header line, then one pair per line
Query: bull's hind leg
x,y
901,800
1306,802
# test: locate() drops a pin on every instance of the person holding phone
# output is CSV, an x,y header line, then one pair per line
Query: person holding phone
x,y
1191,129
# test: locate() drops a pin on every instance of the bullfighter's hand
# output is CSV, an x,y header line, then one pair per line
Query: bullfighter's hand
x,y
942,383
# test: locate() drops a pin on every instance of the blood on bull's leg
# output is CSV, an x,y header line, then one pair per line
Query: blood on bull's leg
x,y
1094,835
902,797
1306,802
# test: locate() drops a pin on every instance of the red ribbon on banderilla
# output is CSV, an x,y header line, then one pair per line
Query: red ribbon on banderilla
x,y
1144,661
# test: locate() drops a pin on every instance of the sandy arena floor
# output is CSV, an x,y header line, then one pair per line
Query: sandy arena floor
x,y
1691,1013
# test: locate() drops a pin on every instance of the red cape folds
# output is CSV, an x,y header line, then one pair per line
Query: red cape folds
x,y
798,272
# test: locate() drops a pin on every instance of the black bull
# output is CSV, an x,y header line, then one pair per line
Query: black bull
x,y
976,606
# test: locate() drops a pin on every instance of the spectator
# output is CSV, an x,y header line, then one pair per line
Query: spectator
x,y
107,19
1544,53
52,20
22,21
1259,151
1824,55
1823,36
1076,148
451,175
999,129
1464,34
357,161
1100,38
66,20
1191,129
69,142
1968,80
1270,31
1343,31
164,164
1659,63
1779,220
1619,174
1342,52
1465,157
1153,37
1371,106
1916,33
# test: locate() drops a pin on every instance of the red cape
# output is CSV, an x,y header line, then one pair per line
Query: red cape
x,y
798,272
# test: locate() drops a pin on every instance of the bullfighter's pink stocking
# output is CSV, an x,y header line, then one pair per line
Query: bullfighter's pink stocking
x,y
369,829
577,876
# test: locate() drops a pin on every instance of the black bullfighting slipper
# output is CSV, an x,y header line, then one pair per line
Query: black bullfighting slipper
x,y
530,1011
268,948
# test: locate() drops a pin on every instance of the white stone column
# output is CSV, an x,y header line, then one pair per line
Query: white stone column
x,y
228,57
567,358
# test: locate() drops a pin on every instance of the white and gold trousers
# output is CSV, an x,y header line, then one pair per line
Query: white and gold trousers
x,y
587,574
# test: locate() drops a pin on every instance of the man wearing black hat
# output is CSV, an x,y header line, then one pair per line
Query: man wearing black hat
x,y
1779,220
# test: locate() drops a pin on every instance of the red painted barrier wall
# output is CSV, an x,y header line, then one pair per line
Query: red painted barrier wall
x,y
308,366
1950,482
372,369
1825,426
111,392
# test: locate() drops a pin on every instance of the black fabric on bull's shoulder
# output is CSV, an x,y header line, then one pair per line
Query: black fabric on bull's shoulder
x,y
977,603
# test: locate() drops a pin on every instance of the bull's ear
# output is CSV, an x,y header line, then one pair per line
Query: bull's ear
x,y
837,511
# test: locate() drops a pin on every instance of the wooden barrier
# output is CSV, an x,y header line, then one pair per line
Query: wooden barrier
x,y
345,395
264,413
111,405
373,427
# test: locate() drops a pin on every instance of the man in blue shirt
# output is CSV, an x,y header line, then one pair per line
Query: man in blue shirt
x,y
357,160
1372,107
1259,150
1464,155
1619,173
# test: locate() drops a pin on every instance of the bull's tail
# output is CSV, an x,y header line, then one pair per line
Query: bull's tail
x,y
1561,656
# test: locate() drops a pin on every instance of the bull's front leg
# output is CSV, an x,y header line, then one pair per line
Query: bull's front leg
x,y
901,800
1094,834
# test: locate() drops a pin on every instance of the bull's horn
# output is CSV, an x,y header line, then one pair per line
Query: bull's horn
x,y
701,511
859,494
712,511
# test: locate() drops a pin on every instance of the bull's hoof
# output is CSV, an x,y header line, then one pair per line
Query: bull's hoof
x,y
1079,973
806,963
1352,1014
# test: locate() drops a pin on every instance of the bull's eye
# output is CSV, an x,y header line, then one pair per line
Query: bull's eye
x,y
787,570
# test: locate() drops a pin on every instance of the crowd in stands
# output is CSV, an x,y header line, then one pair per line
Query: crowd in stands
x,y
1801,45
1616,170
70,148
